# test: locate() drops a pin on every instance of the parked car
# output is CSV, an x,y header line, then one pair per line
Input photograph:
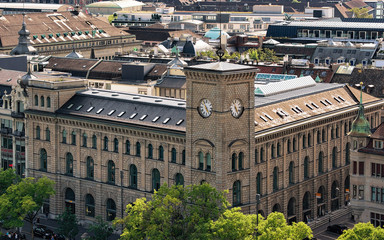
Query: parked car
x,y
337,228
42,231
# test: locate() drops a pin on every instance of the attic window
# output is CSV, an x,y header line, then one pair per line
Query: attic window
x,y
342,99
264,119
323,103
378,144
166,120
70,106
180,121
121,114
132,116
57,34
280,114
100,110
315,105
65,34
111,112
269,117
50,35
327,101
155,119
9,79
90,109
143,117
35,36
294,109
309,106
299,109
79,107
337,100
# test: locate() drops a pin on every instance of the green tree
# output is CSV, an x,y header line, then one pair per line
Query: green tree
x,y
361,13
362,231
23,200
112,17
174,213
68,224
100,230
7,178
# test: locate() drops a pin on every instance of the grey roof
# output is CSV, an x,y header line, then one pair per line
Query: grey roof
x,y
335,23
132,107
319,87
172,82
74,54
221,67
335,52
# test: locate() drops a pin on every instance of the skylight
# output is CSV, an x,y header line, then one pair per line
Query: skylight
x,y
337,100
143,117
315,105
309,106
166,120
342,99
100,110
70,106
299,109
328,101
132,116
294,109
90,109
270,118
79,107
111,112
264,119
323,103
180,121
121,114
155,119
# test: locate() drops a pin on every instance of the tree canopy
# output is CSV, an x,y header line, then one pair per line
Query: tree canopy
x,y
364,231
361,13
67,222
201,212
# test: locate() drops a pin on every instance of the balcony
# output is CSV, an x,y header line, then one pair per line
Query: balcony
x,y
17,114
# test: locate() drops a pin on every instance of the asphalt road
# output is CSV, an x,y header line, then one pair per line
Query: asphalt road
x,y
322,233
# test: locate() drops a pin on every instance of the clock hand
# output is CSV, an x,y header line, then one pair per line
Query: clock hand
x,y
206,109
236,109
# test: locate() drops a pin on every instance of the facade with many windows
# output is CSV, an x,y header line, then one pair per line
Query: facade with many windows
x,y
284,142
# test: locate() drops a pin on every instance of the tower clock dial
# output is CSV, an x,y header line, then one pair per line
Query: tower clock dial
x,y
236,108
205,108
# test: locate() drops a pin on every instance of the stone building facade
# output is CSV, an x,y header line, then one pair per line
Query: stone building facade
x,y
285,142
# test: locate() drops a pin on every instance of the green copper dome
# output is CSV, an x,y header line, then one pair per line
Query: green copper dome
x,y
360,126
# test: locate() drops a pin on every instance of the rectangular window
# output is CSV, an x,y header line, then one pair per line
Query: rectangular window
x,y
373,194
378,168
361,192
354,192
354,167
361,168
373,169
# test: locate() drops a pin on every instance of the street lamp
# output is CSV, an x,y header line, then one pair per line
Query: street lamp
x,y
257,213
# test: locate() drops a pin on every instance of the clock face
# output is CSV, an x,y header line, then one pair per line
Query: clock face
x,y
236,108
205,108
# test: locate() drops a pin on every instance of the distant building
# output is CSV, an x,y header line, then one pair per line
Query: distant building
x,y
110,7
17,8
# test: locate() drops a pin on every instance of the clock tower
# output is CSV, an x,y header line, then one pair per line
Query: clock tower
x,y
220,126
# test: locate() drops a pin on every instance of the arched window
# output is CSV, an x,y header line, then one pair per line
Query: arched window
x,y
289,146
94,141
291,207
47,134
201,160
150,151
291,173
69,161
320,163
90,168
236,193
133,176
70,200
183,157
127,147
258,183
347,153
138,149
42,101
309,140
275,179
111,172
116,145
38,132
304,141
278,149
64,136
36,100
234,160
294,145
306,200
273,151
85,138
173,155
323,136
43,160
306,167
89,206
73,138
161,153
334,157
241,160
208,161
318,137
48,102
179,179
111,210
155,179
256,156
105,147
262,154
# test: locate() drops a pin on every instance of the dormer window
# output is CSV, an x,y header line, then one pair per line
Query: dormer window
x,y
378,144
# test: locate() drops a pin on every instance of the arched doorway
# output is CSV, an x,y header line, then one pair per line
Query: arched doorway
x,y
306,207
276,208
291,211
335,192
346,190
70,200
321,204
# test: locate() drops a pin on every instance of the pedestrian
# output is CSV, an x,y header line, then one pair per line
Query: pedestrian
x,y
38,220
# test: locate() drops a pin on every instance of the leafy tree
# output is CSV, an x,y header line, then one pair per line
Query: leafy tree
x,y
24,200
361,13
112,17
364,231
100,229
174,213
7,178
68,225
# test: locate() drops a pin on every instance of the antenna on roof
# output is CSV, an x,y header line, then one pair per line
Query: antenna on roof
x,y
220,51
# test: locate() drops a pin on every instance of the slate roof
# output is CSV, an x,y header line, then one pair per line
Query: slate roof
x,y
379,132
357,53
134,109
335,23
178,82
157,71
302,51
